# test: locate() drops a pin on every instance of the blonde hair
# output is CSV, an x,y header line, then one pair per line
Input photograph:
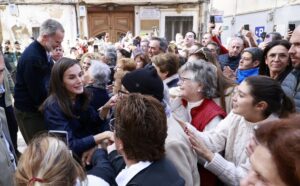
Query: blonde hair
x,y
127,64
117,80
49,160
92,56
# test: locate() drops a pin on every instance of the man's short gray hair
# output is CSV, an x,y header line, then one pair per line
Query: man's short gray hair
x,y
203,73
240,40
50,26
100,72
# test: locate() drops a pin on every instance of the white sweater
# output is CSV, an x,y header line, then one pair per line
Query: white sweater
x,y
232,134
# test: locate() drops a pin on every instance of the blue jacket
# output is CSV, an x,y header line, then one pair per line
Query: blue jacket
x,y
32,79
173,83
243,74
102,168
232,62
80,136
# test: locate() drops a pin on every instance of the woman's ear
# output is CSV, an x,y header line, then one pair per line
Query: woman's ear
x,y
261,106
256,63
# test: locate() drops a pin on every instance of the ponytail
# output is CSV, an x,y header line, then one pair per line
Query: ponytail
x,y
266,89
287,106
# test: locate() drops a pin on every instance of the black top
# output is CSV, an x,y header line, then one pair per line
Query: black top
x,y
33,75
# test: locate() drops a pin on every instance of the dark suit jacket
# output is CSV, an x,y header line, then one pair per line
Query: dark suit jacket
x,y
159,173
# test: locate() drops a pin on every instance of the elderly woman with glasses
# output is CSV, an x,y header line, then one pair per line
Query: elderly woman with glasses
x,y
198,85
225,86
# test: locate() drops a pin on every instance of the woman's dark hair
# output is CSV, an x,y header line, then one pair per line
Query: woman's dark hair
x,y
282,139
137,41
59,93
141,125
274,36
264,88
263,67
144,58
125,53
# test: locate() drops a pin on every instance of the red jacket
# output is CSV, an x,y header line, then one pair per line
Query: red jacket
x,y
204,113
223,50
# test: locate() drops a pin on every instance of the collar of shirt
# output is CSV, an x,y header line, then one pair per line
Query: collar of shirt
x,y
191,105
129,172
48,57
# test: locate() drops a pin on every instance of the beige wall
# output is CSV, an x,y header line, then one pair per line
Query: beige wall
x,y
139,1
19,26
233,7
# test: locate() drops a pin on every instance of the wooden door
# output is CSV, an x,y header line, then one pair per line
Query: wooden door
x,y
114,22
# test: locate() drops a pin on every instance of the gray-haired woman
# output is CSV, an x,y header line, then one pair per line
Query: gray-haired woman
x,y
198,85
96,79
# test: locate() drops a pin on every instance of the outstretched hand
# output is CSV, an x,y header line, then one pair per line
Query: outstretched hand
x,y
199,146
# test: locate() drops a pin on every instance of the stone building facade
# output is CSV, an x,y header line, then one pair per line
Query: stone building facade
x,y
20,19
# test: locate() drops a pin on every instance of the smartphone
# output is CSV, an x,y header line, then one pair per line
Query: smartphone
x,y
292,27
96,49
60,134
263,35
247,27
212,19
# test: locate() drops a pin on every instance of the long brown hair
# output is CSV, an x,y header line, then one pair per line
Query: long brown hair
x,y
59,93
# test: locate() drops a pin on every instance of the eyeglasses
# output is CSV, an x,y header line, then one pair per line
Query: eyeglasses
x,y
121,93
112,124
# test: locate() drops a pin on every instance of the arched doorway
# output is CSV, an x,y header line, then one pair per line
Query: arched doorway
x,y
116,22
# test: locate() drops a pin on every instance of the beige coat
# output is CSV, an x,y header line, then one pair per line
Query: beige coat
x,y
179,151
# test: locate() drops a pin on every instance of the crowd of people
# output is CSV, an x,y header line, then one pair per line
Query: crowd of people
x,y
147,111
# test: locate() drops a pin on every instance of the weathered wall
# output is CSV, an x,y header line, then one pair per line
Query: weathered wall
x,y
19,26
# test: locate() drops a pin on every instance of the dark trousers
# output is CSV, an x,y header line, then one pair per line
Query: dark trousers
x,y
30,124
11,121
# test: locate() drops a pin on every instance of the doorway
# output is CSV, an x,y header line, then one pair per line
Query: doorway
x,y
116,22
